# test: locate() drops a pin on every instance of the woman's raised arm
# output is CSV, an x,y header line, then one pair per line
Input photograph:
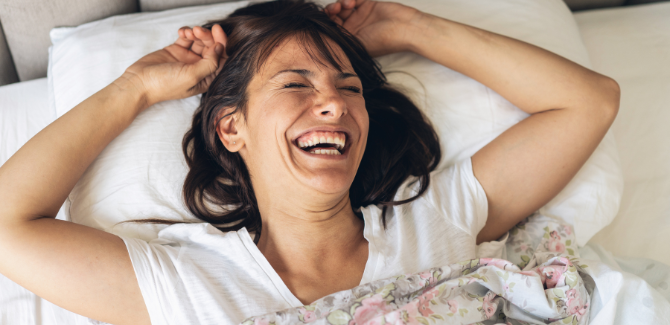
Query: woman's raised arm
x,y
571,107
78,268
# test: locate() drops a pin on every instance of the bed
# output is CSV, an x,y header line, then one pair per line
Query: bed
x,y
629,44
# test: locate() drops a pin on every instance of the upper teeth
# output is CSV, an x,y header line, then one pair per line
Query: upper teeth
x,y
337,141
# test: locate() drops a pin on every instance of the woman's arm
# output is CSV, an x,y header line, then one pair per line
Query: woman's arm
x,y
82,269
571,107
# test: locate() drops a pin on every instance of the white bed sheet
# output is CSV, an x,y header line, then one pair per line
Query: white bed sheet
x,y
632,45
24,111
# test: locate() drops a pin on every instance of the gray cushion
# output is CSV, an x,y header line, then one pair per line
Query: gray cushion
x,y
27,24
591,4
7,71
157,5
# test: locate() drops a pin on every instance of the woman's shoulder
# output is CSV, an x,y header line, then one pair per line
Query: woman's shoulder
x,y
453,194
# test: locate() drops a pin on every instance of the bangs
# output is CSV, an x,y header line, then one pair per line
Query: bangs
x,y
313,42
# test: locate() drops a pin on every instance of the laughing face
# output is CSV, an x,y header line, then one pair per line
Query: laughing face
x,y
306,125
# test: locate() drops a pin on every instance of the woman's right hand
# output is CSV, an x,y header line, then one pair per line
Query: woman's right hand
x,y
183,69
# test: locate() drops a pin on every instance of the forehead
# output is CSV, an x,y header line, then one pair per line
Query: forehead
x,y
292,53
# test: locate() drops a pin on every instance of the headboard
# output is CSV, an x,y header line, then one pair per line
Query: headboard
x,y
25,26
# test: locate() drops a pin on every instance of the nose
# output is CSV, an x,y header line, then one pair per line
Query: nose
x,y
330,105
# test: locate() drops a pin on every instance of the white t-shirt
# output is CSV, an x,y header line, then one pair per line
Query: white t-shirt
x,y
196,274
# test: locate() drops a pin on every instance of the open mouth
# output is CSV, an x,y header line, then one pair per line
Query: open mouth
x,y
323,142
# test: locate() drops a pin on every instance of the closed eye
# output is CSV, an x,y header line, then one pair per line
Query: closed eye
x,y
295,85
354,89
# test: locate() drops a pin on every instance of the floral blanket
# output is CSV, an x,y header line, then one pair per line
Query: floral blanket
x,y
540,283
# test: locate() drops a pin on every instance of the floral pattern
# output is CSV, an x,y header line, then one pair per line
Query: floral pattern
x,y
539,283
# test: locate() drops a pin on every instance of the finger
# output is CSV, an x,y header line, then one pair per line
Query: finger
x,y
182,40
348,8
198,47
205,70
333,9
219,35
209,63
182,54
222,61
204,35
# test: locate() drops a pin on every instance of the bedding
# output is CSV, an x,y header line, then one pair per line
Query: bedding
x,y
24,111
632,46
550,289
631,290
140,174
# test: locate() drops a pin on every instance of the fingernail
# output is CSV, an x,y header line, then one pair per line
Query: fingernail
x,y
218,48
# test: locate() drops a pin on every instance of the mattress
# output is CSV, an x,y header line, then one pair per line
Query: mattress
x,y
632,45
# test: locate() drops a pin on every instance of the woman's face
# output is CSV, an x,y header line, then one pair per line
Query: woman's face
x,y
306,123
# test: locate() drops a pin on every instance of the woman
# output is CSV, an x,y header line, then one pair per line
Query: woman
x,y
312,240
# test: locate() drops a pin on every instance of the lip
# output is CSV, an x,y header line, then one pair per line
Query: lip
x,y
345,150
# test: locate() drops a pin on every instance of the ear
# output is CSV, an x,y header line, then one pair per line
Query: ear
x,y
227,129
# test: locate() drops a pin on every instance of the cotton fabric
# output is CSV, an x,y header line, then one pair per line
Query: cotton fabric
x,y
196,274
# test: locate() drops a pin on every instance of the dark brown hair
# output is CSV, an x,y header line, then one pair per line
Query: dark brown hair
x,y
401,142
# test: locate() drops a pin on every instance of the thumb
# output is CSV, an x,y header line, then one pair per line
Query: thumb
x,y
209,62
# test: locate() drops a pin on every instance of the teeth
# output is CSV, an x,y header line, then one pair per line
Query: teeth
x,y
338,142
325,152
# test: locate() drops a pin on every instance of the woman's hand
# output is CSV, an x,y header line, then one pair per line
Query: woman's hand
x,y
181,70
383,27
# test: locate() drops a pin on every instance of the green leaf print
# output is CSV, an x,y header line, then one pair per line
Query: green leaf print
x,y
525,258
422,320
462,311
387,290
559,293
570,251
436,316
339,317
568,242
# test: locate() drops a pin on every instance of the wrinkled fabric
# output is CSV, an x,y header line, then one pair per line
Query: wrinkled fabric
x,y
540,282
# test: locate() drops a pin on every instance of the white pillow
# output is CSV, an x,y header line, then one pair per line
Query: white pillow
x,y
140,174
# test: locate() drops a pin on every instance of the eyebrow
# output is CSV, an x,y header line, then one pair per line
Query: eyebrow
x,y
307,73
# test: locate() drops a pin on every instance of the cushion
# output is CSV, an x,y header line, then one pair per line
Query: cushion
x,y
140,174
27,23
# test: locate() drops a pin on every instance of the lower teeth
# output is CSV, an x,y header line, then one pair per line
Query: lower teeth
x,y
325,152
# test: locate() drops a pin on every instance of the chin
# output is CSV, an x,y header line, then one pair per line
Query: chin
x,y
331,182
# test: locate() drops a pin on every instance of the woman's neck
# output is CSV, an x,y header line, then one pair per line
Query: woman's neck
x,y
315,252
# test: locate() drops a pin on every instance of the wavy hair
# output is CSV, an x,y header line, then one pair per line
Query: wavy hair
x,y
401,142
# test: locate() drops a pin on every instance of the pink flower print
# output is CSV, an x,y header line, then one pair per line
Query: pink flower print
x,y
394,318
554,235
424,302
551,275
568,230
428,276
371,307
523,247
572,294
556,246
488,306
453,305
308,316
576,308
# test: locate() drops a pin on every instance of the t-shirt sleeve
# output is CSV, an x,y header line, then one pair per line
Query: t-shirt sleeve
x,y
456,193
153,266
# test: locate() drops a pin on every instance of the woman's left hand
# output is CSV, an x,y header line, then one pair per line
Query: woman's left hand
x,y
383,27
